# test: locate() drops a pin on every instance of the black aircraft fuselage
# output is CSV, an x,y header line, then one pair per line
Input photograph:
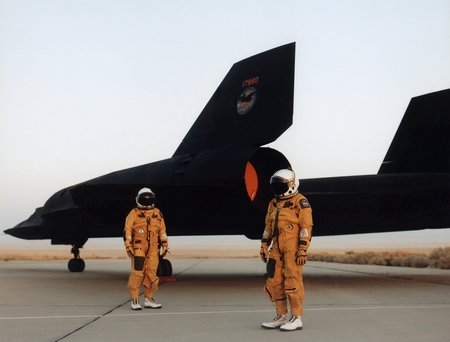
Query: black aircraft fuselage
x,y
217,181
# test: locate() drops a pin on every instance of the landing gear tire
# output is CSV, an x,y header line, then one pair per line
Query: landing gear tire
x,y
76,265
168,267
164,268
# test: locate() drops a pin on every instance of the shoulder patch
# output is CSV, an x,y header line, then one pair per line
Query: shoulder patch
x,y
304,203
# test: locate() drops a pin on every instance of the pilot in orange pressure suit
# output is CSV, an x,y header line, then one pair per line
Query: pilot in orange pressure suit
x,y
288,235
144,235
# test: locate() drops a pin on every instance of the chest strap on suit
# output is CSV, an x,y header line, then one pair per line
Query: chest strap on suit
x,y
276,231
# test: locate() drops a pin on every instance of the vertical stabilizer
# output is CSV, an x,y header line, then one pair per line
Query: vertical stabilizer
x,y
422,141
252,106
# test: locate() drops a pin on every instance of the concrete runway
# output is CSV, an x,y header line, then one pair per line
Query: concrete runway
x,y
220,300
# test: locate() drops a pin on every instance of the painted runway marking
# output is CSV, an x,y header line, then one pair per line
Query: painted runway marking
x,y
134,314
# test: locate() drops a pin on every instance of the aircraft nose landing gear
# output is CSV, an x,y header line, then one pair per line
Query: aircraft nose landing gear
x,y
76,264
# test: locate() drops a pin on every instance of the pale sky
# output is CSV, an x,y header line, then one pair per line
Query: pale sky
x,y
91,87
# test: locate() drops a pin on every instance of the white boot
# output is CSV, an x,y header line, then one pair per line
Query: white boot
x,y
275,323
150,304
295,323
135,304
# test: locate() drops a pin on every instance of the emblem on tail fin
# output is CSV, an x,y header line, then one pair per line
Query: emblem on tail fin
x,y
246,100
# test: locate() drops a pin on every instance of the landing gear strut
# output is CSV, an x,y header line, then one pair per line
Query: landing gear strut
x,y
76,264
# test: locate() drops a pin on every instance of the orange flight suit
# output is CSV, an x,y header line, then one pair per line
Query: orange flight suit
x,y
294,223
145,232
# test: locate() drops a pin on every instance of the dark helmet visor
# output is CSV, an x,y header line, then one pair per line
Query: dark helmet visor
x,y
146,199
278,186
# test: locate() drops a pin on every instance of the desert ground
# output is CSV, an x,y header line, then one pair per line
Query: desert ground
x,y
417,242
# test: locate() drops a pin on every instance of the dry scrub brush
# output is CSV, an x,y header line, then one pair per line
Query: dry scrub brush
x,y
438,258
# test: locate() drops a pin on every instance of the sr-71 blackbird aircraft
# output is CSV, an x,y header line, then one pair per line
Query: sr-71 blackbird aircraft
x,y
217,181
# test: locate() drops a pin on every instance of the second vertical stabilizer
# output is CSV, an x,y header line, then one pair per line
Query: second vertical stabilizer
x,y
422,143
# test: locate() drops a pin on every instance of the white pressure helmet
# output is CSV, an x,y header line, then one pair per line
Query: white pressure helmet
x,y
145,199
284,184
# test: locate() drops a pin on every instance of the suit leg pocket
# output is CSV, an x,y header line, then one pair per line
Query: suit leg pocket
x,y
139,263
271,267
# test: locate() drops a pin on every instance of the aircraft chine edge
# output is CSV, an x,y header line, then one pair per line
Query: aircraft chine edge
x,y
222,168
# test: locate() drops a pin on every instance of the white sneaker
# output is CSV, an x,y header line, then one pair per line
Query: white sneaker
x,y
275,323
135,304
295,323
150,304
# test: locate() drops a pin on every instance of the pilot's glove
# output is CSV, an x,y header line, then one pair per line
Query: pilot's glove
x,y
264,252
300,257
130,251
165,250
